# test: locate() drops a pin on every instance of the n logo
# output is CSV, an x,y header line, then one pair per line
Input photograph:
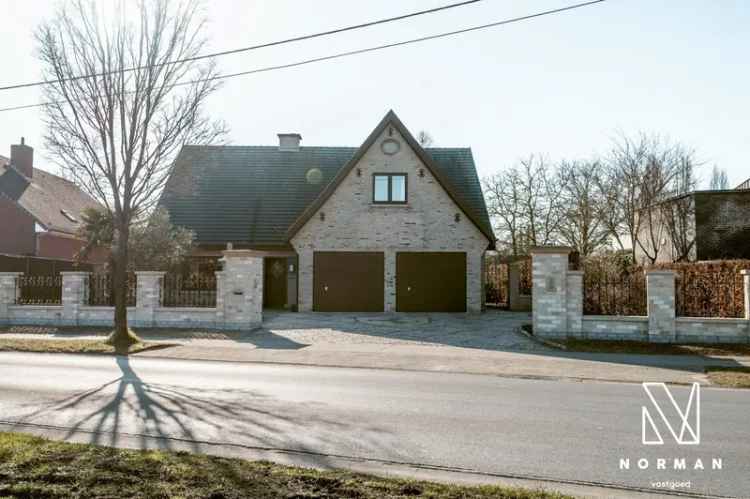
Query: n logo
x,y
689,427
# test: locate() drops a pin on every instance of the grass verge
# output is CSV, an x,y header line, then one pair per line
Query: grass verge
x,y
641,347
729,377
70,346
36,467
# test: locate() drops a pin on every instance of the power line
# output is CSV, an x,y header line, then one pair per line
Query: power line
x,y
359,51
247,49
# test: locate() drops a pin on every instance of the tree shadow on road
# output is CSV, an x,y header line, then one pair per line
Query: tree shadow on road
x,y
157,415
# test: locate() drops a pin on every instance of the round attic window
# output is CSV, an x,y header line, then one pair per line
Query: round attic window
x,y
390,146
314,176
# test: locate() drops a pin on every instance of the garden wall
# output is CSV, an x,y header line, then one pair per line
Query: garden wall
x,y
558,308
238,303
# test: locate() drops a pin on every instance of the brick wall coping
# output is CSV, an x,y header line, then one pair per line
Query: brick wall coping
x,y
745,272
575,272
659,272
186,309
150,272
623,318
243,253
732,320
35,307
10,274
551,249
75,272
102,308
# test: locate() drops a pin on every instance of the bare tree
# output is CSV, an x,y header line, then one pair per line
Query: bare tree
x,y
116,131
678,213
503,194
524,203
641,174
719,180
424,138
581,226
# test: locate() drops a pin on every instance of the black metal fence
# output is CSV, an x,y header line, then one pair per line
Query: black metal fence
x,y
101,290
622,293
39,290
192,290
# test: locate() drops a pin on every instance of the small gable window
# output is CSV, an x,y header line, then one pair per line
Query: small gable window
x,y
389,188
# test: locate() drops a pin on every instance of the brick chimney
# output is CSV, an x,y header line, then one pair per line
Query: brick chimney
x,y
22,158
289,141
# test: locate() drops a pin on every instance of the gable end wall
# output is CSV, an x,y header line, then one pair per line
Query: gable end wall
x,y
426,223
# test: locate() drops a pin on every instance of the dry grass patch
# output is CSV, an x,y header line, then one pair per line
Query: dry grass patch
x,y
730,377
35,467
69,346
642,347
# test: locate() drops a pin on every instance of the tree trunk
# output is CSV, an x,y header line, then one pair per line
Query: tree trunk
x,y
121,338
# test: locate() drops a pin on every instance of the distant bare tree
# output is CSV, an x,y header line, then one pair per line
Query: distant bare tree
x,y
503,194
524,203
424,138
642,173
581,226
678,213
719,180
115,132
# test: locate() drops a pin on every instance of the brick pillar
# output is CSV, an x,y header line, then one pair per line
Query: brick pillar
x,y
660,292
7,293
574,302
74,293
549,290
147,296
746,282
220,287
241,291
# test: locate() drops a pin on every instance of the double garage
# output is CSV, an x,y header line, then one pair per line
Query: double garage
x,y
355,281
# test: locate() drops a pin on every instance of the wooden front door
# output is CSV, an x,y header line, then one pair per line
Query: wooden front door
x,y
345,281
274,283
430,282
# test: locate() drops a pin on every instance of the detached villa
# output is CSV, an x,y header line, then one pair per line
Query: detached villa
x,y
387,226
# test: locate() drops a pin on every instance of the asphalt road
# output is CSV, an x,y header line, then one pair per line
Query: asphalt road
x,y
546,430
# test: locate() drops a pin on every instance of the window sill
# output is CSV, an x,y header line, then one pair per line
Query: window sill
x,y
389,205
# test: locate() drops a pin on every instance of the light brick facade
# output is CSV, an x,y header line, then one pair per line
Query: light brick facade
x,y
427,222
661,305
549,268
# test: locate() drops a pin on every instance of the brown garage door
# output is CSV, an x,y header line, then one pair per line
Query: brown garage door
x,y
431,282
348,281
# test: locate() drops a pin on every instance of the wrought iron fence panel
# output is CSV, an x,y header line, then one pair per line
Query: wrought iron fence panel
x,y
618,294
193,290
39,290
101,292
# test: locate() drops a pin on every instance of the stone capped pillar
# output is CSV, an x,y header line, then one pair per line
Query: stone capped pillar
x,y
746,286
574,302
74,294
660,295
240,289
549,268
147,296
7,293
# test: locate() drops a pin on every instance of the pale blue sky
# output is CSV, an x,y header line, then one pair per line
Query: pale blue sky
x,y
560,85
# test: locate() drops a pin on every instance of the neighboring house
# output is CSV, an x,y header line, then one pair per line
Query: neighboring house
x,y
40,212
387,226
716,225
